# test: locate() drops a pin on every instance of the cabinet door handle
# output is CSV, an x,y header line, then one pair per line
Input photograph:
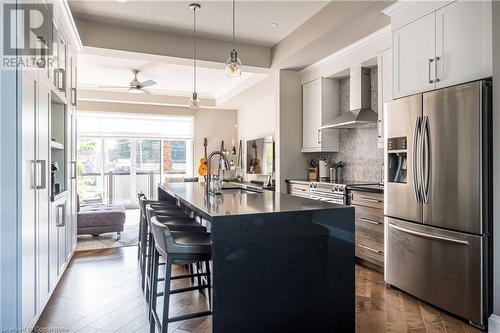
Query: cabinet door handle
x,y
436,69
369,248
319,136
61,215
429,75
34,171
73,170
73,96
41,174
61,81
362,219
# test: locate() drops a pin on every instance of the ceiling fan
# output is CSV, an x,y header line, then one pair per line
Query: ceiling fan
x,y
135,85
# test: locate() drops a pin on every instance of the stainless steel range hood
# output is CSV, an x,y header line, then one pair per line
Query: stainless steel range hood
x,y
360,113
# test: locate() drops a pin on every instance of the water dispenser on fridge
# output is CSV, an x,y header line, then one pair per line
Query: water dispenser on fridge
x,y
397,160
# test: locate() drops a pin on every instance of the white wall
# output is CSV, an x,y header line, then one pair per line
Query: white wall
x,y
215,125
256,120
495,319
290,162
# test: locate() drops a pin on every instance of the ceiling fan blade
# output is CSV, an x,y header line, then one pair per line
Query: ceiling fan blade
x,y
148,83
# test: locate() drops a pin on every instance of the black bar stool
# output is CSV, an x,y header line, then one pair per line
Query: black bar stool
x,y
174,222
177,247
169,208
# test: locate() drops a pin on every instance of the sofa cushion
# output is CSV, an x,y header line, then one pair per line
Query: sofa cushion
x,y
101,215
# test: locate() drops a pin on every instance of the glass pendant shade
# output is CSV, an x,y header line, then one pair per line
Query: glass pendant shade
x,y
194,102
233,65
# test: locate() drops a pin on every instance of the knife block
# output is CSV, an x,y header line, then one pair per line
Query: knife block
x,y
312,174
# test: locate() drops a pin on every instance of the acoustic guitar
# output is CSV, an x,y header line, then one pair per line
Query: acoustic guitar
x,y
255,166
202,169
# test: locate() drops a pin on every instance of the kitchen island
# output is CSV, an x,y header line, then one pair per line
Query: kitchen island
x,y
280,263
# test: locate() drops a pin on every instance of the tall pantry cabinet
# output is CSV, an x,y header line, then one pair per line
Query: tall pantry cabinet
x,y
46,142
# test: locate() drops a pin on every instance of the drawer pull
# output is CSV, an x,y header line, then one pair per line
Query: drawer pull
x,y
369,249
368,221
426,235
367,199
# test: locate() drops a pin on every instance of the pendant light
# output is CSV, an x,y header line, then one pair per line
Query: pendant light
x,y
233,63
194,102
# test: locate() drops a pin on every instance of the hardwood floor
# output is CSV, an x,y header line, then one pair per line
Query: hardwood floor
x,y
100,292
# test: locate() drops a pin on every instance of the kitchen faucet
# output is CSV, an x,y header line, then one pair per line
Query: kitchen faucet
x,y
225,164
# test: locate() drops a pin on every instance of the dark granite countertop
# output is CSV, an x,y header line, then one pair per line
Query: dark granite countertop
x,y
234,203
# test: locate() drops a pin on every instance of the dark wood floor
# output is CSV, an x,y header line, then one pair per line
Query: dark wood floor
x,y
100,293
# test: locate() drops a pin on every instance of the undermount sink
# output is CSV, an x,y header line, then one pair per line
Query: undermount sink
x,y
237,190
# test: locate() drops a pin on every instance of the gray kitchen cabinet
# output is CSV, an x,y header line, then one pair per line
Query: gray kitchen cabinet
x,y
320,103
369,224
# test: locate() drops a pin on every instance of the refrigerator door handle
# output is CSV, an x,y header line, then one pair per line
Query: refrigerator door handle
x,y
416,183
425,235
425,160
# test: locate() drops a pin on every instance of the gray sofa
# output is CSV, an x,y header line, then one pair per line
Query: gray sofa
x,y
100,219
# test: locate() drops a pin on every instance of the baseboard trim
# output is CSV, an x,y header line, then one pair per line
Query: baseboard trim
x,y
494,324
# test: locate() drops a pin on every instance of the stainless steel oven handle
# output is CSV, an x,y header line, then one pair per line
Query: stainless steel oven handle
x,y
436,237
362,219
369,248
416,134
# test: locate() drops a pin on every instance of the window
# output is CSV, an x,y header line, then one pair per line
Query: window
x,y
121,154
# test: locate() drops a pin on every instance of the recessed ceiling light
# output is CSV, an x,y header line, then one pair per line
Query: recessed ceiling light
x,y
121,1
273,25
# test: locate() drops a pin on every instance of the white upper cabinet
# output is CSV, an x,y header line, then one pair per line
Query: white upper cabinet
x,y
463,42
414,52
449,45
320,103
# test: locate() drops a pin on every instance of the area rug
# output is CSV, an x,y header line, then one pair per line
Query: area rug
x,y
129,235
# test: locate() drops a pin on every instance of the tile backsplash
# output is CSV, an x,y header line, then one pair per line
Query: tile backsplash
x,y
363,161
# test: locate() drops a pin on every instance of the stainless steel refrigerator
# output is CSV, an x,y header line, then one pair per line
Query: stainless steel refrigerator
x,y
438,176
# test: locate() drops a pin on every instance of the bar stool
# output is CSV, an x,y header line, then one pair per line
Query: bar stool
x,y
177,248
175,223
167,208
